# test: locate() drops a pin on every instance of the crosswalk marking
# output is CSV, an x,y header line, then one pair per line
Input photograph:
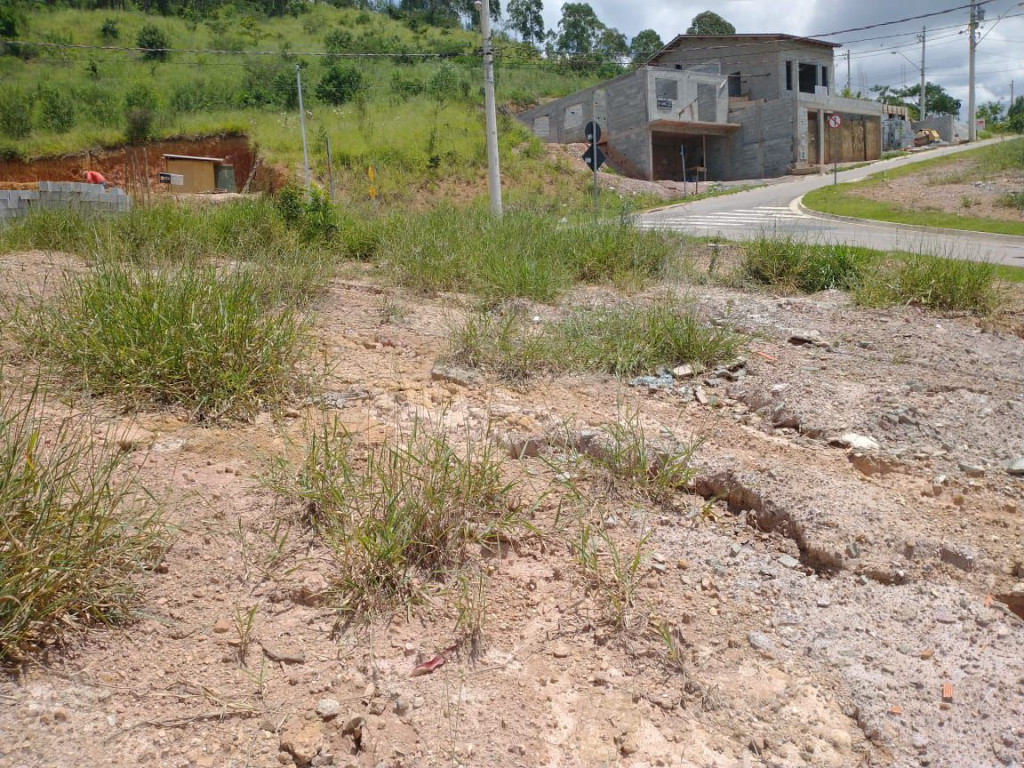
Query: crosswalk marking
x,y
762,215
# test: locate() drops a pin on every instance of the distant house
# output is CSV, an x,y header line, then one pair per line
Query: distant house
x,y
723,107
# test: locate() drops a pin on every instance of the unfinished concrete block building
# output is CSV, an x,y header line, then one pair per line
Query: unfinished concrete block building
x,y
722,107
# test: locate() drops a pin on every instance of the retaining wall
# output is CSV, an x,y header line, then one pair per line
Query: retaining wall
x,y
62,194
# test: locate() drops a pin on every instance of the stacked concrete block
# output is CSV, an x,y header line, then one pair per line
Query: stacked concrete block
x,y
52,195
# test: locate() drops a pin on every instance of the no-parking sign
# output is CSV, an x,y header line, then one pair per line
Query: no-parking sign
x,y
834,121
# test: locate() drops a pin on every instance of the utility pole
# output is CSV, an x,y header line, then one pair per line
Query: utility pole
x,y
493,171
972,125
848,72
302,124
924,98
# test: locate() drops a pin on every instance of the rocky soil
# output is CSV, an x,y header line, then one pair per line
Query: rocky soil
x,y
953,188
842,584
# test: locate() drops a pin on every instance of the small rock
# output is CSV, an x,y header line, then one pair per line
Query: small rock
x,y
762,644
701,396
945,617
852,550
972,470
302,740
402,706
222,626
328,708
957,557
858,442
684,371
291,413
735,549
378,707
823,602
453,374
561,651
788,561
1016,467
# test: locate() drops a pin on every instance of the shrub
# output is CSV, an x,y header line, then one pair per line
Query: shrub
x,y
269,81
15,113
444,83
340,84
110,30
310,214
152,38
58,110
338,41
183,335
140,112
73,539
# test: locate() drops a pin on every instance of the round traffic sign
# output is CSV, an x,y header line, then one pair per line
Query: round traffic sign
x,y
834,121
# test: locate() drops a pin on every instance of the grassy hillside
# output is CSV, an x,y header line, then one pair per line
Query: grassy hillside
x,y
417,119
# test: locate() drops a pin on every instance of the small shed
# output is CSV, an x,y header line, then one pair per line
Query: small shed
x,y
187,173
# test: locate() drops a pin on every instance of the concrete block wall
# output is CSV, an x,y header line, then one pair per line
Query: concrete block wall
x,y
62,194
762,148
687,105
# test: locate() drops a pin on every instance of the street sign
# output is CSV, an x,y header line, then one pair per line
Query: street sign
x,y
590,155
593,132
834,121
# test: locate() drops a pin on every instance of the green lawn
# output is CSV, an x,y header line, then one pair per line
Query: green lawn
x,y
842,200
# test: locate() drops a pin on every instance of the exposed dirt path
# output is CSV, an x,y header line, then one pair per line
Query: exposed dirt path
x,y
818,597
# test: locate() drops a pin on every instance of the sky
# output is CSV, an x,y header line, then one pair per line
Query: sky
x,y
1000,54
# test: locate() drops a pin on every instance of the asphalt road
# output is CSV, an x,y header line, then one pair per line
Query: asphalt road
x,y
775,210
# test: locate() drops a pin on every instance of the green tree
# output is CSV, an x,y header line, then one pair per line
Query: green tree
x,y
340,84
525,18
991,113
155,41
611,45
710,23
646,43
938,101
578,30
1015,115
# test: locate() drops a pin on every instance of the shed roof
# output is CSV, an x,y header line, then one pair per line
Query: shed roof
x,y
193,157
722,43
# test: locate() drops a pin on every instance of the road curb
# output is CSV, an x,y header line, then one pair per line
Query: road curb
x,y
1009,239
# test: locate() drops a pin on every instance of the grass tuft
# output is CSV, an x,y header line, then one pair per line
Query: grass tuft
x,y
523,254
71,539
788,263
400,515
945,285
215,342
622,341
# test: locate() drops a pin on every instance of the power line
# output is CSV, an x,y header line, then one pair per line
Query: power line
x,y
901,21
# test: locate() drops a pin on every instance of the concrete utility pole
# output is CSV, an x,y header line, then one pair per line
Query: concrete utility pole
x,y
848,73
972,125
493,171
924,98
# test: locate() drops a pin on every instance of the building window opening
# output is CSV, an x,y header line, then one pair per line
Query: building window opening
x,y
789,75
808,75
824,77
735,84
666,89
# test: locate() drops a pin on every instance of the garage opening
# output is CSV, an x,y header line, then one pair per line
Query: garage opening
x,y
672,152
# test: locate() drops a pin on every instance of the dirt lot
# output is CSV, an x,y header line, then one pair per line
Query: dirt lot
x,y
818,597
951,188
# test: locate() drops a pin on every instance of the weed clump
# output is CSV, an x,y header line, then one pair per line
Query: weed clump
x,y
71,539
945,285
401,515
787,263
621,341
215,342
522,254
